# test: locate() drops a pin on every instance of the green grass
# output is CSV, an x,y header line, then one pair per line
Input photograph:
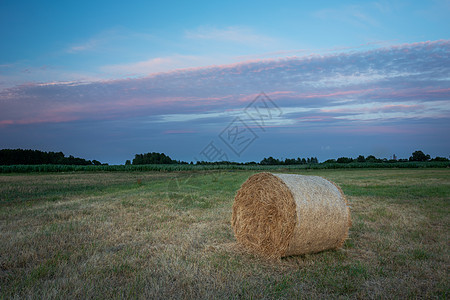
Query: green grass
x,y
168,235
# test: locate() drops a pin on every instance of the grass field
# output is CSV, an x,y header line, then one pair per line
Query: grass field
x,y
168,235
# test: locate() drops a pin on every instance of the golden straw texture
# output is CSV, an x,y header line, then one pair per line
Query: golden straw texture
x,y
278,215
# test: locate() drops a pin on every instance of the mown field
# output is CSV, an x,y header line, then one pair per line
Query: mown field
x,y
168,235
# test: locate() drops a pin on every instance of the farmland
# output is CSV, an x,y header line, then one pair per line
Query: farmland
x,y
130,233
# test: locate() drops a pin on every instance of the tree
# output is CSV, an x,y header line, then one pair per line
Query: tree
x,y
344,160
361,159
152,158
128,162
290,161
419,156
270,161
372,158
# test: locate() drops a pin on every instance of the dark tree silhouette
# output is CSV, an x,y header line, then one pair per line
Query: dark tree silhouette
x,y
344,160
153,158
37,157
419,156
438,158
361,159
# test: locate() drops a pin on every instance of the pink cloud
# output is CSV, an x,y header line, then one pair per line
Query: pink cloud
x,y
382,108
41,120
6,122
64,112
440,91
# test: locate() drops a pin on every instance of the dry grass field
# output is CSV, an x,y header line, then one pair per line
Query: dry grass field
x,y
168,235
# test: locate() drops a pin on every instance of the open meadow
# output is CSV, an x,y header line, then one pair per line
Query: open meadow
x,y
168,235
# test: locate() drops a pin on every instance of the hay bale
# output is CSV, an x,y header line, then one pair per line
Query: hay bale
x,y
278,215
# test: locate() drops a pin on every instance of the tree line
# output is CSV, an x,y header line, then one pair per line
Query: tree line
x,y
415,156
37,157
161,158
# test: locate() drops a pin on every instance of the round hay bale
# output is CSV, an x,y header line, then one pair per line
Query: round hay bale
x,y
279,215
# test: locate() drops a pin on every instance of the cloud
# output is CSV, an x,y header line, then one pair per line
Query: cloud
x,y
401,82
106,39
157,65
354,15
392,111
89,45
21,72
234,34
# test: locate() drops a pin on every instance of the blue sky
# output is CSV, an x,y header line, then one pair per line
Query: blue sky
x,y
105,80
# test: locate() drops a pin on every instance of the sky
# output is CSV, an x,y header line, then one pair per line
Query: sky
x,y
238,81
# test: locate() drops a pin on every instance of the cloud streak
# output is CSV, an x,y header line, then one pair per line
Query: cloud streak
x,y
234,34
353,15
157,65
